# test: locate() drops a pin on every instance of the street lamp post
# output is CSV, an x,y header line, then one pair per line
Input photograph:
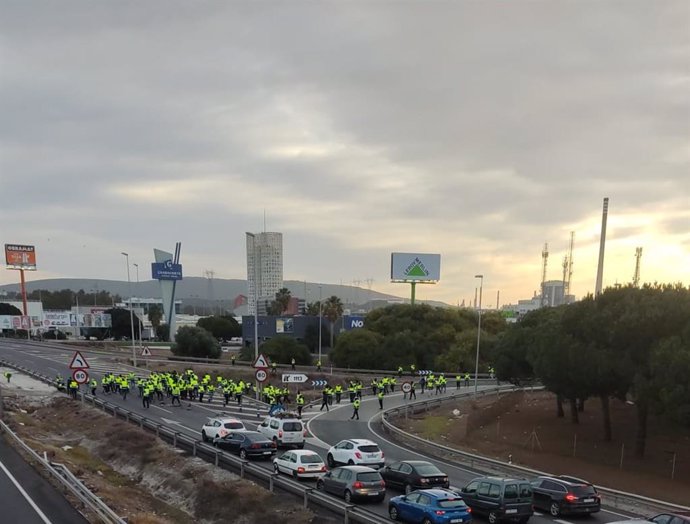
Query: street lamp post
x,y
479,332
320,321
141,320
131,311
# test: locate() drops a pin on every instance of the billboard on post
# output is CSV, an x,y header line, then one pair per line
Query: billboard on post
x,y
415,267
18,256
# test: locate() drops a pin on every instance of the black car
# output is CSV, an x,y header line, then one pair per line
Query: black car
x,y
247,444
499,498
563,494
409,475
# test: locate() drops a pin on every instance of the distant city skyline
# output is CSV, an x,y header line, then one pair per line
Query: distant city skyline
x,y
477,130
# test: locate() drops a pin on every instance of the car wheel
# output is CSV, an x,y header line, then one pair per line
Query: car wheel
x,y
493,517
320,485
408,489
524,520
275,441
427,520
554,509
393,513
276,468
348,496
204,437
243,454
300,446
295,475
350,462
330,461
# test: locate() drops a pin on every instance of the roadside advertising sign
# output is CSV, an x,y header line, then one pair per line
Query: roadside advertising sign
x,y
19,256
415,267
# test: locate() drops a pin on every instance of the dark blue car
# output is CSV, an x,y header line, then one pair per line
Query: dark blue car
x,y
430,506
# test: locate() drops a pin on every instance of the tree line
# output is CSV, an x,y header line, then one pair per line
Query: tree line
x,y
66,298
627,343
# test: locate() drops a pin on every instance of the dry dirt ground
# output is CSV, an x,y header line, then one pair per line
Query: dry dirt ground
x,y
137,475
526,427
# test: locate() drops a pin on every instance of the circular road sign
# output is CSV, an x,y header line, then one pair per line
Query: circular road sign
x,y
261,375
80,376
406,387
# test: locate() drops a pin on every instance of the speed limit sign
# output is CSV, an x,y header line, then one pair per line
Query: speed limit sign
x,y
406,387
261,375
80,376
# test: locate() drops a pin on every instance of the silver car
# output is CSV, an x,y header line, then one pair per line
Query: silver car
x,y
354,483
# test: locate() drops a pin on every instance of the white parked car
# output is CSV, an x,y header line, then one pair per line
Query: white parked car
x,y
300,464
357,451
218,427
285,429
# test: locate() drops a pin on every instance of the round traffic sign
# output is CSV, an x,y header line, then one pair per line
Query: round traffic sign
x,y
406,387
261,375
80,376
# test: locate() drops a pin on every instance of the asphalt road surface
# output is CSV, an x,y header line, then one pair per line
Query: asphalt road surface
x,y
26,497
326,428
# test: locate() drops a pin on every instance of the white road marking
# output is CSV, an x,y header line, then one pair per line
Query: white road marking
x,y
25,494
562,521
537,514
157,407
619,514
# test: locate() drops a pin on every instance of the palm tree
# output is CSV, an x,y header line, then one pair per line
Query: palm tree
x,y
332,310
283,299
313,308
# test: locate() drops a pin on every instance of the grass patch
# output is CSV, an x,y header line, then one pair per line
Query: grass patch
x,y
434,427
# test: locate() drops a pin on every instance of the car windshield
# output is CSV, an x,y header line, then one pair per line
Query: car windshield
x,y
451,503
292,426
369,448
311,459
233,425
369,476
428,469
583,490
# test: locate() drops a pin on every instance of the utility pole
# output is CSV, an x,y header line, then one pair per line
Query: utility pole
x,y
636,275
545,259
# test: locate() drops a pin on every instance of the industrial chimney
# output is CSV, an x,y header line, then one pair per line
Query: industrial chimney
x,y
602,242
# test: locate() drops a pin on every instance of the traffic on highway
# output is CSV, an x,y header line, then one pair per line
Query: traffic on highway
x,y
349,459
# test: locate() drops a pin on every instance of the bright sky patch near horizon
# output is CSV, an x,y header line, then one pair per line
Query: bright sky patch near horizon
x,y
477,130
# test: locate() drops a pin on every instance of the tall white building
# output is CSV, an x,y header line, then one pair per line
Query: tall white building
x,y
264,267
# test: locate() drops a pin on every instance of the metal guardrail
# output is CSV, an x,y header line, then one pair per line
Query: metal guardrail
x,y
246,469
612,497
65,477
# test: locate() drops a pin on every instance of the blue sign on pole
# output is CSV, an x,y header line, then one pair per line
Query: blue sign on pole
x,y
353,322
166,270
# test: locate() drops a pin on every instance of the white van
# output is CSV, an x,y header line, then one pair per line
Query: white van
x,y
285,429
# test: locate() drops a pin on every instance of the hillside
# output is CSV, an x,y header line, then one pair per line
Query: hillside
x,y
199,289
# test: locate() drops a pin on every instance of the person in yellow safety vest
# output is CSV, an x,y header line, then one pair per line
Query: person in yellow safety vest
x,y
300,403
400,371
392,383
352,391
73,388
94,386
124,388
467,379
175,392
380,396
292,363
232,359
374,386
338,393
458,378
413,369
318,365
273,368
8,376
355,409
146,396
358,388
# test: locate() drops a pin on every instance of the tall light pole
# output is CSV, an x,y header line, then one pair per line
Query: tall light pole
x,y
131,311
141,320
479,331
320,322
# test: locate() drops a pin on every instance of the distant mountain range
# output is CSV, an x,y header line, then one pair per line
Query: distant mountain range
x,y
199,290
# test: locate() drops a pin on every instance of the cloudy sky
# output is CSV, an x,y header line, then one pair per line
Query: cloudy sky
x,y
474,129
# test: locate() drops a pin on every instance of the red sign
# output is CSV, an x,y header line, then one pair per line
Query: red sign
x,y
261,375
20,257
80,376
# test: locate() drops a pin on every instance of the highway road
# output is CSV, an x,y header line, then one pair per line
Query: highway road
x,y
27,497
326,428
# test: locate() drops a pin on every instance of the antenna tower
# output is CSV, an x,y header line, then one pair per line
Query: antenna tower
x,y
544,259
566,289
636,276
